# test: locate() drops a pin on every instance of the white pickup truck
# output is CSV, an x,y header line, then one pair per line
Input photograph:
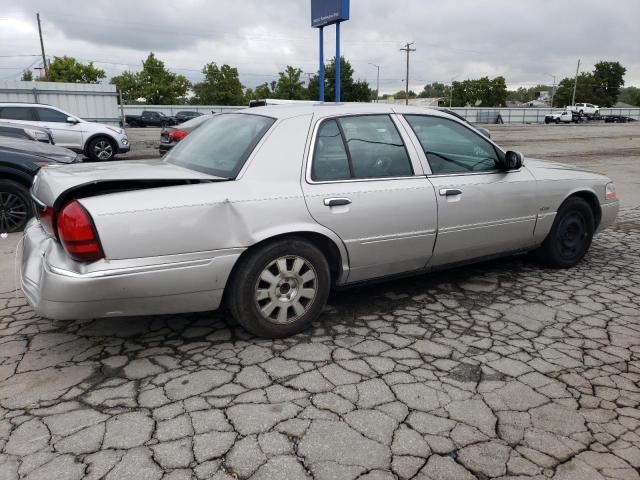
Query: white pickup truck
x,y
588,109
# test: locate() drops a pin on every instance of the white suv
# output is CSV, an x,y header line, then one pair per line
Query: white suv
x,y
98,142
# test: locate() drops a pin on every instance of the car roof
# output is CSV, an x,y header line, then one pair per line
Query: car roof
x,y
336,109
25,104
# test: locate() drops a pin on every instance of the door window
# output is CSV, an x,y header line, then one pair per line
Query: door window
x,y
359,147
50,115
16,113
451,147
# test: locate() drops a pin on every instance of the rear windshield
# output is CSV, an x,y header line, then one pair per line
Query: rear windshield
x,y
222,145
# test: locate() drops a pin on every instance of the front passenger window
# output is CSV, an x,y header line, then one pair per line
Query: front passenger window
x,y
451,147
50,115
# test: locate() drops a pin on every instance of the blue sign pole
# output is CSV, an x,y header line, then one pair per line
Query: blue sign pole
x,y
321,83
338,62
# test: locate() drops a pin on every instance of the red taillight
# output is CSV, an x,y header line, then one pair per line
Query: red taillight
x,y
45,215
78,235
178,135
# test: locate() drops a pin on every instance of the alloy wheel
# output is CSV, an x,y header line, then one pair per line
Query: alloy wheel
x,y
286,289
103,150
13,212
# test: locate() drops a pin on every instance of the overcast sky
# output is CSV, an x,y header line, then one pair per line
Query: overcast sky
x,y
526,41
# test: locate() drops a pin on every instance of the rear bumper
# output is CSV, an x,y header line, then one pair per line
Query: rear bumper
x,y
164,147
59,288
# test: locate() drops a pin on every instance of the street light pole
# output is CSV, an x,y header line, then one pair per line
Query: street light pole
x,y
451,92
377,81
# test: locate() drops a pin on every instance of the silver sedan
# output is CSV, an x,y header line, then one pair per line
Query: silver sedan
x,y
268,208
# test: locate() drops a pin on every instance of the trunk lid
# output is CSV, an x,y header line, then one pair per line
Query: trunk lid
x,y
52,183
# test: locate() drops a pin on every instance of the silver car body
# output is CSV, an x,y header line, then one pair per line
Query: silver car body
x,y
172,248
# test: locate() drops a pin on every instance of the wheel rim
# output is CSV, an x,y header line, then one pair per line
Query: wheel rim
x,y
13,212
573,234
103,150
286,289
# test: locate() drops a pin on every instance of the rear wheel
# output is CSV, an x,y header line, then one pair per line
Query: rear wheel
x,y
101,149
279,289
570,236
15,206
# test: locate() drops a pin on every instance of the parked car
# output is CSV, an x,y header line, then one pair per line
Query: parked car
x,y
565,116
19,162
270,207
186,115
26,132
169,136
618,119
96,141
587,109
149,118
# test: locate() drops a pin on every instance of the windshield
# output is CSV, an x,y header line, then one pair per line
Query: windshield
x,y
222,145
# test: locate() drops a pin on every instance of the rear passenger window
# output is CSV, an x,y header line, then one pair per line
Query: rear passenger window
x,y
51,115
330,160
16,113
359,147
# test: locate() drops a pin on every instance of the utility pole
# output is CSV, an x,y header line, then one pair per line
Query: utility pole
x,y
575,84
44,58
377,81
451,93
407,49
553,90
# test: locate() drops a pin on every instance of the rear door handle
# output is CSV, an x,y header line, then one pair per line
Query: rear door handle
x,y
450,191
336,202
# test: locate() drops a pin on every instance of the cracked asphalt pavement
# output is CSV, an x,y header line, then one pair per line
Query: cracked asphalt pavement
x,y
499,370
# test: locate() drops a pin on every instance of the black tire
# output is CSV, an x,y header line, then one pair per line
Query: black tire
x,y
15,206
246,285
101,149
547,120
570,236
557,120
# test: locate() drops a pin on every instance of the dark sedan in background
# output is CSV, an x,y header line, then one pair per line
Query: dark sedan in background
x,y
20,160
185,116
171,135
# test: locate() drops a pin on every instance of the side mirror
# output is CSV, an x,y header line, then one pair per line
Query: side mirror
x,y
513,160
71,120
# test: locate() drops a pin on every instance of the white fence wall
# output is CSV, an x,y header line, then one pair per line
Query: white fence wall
x,y
528,114
93,102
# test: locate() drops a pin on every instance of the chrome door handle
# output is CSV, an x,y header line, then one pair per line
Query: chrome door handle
x,y
450,191
336,202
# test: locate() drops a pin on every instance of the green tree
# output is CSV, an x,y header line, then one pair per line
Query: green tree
x,y
524,95
608,77
401,94
351,90
483,92
27,76
584,90
630,95
154,83
129,85
68,69
290,86
434,89
221,86
261,92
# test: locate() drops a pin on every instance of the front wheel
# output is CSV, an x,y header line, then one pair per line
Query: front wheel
x,y
15,206
101,149
279,289
557,120
570,236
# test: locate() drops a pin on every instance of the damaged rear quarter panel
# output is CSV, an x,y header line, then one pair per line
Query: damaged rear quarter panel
x,y
264,201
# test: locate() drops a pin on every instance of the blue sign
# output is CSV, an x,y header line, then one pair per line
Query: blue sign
x,y
327,12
